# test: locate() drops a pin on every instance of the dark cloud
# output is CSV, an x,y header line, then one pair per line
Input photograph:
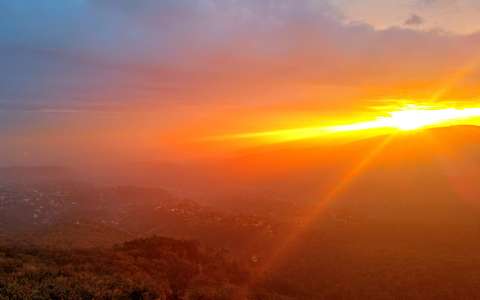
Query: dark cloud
x,y
429,2
414,20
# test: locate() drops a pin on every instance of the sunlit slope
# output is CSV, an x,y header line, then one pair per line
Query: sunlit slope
x,y
403,148
425,177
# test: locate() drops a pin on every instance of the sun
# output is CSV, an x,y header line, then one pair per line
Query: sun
x,y
412,118
416,119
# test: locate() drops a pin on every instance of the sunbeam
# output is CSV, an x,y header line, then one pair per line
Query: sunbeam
x,y
309,217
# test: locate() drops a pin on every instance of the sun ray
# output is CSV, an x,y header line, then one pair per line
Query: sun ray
x,y
463,183
459,76
296,233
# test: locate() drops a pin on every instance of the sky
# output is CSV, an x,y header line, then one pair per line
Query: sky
x,y
454,16
122,80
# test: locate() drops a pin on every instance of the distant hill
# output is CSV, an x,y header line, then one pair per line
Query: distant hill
x,y
30,174
70,215
280,175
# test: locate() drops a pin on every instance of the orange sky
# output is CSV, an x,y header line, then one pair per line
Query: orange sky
x,y
153,79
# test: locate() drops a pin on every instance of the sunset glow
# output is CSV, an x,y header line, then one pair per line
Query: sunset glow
x,y
412,118
409,117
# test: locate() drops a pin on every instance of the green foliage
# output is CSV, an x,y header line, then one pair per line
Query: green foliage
x,y
154,268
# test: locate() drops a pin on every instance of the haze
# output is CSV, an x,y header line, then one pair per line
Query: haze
x,y
239,149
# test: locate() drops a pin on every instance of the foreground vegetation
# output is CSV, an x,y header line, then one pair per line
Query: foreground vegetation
x,y
154,268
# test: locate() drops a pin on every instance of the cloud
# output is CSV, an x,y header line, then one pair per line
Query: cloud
x,y
428,2
414,20
192,52
444,3
35,107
